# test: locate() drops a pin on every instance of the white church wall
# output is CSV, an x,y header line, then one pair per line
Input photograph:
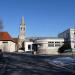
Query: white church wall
x,y
7,46
11,46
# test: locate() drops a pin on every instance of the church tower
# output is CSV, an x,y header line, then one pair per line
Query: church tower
x,y
21,38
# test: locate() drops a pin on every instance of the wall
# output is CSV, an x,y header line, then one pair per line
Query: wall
x,y
69,36
72,38
8,47
1,45
11,46
26,46
43,47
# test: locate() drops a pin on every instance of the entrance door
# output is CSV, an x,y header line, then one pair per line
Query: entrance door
x,y
5,46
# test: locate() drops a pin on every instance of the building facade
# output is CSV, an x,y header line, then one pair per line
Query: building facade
x,y
7,44
49,45
28,46
42,45
69,37
46,45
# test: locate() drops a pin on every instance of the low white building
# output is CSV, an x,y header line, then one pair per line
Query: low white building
x,y
7,44
28,45
49,45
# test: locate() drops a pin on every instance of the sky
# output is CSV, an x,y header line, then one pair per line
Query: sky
x,y
42,17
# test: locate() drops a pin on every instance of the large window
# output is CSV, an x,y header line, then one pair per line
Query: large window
x,y
50,44
57,44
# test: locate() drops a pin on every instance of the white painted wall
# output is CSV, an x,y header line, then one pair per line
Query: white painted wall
x,y
26,46
10,46
72,38
1,45
45,49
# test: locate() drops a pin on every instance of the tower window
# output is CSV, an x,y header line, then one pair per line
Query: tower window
x,y
24,28
21,28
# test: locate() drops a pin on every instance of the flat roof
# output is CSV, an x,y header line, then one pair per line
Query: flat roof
x,y
40,38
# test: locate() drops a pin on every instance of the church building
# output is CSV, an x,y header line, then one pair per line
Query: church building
x,y
21,37
40,45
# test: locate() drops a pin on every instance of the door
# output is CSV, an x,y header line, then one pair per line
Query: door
x,y
5,46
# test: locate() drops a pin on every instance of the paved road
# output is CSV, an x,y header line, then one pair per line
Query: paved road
x,y
18,64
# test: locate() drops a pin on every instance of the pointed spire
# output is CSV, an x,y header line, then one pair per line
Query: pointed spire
x,y
22,21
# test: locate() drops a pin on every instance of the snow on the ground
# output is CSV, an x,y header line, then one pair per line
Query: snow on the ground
x,y
36,65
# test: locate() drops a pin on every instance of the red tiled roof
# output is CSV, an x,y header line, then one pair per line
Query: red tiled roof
x,y
4,36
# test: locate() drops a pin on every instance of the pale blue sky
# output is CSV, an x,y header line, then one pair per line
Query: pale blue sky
x,y
42,17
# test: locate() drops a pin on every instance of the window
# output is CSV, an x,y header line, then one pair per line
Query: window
x,y
5,42
29,47
57,42
21,28
67,35
50,44
57,45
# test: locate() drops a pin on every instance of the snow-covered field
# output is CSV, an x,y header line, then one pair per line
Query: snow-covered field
x,y
23,64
